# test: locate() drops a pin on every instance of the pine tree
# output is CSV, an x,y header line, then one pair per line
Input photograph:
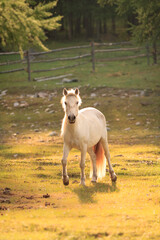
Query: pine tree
x,y
22,25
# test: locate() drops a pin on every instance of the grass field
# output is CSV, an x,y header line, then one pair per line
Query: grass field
x,y
34,204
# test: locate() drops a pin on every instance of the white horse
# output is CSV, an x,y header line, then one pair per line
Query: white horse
x,y
86,131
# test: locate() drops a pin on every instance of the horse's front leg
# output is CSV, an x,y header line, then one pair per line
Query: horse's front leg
x,y
65,177
82,164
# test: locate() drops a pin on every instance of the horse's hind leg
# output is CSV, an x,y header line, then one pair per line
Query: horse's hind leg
x,y
65,177
93,159
107,154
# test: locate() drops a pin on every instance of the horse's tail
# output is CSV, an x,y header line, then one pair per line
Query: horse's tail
x,y
100,160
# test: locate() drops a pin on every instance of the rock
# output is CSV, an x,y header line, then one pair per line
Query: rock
x,y
66,80
93,95
30,197
40,168
123,168
51,105
42,95
116,165
47,204
120,155
127,129
138,123
16,104
144,104
96,104
50,98
3,208
36,95
24,104
13,125
7,191
52,111
3,93
46,196
53,134
36,130
15,155
5,201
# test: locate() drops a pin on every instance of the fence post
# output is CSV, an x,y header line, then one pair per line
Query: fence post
x,y
148,53
28,66
93,56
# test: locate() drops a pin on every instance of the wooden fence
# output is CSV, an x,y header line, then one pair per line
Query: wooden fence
x,y
94,50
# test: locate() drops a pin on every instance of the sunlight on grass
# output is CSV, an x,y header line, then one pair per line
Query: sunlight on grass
x,y
34,203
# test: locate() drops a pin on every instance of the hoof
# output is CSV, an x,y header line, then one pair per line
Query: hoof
x,y
82,183
113,177
94,179
66,181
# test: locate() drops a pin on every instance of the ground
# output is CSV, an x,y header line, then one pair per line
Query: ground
x,y
34,203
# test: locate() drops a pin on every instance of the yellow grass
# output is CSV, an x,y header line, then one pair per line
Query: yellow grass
x,y
30,165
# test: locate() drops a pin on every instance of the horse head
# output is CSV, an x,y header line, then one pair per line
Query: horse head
x,y
71,102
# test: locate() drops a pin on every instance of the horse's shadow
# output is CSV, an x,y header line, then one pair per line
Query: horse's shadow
x,y
86,194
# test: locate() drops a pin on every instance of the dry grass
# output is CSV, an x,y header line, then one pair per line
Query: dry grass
x,y
36,205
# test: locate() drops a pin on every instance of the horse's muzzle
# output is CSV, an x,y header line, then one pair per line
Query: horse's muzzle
x,y
72,119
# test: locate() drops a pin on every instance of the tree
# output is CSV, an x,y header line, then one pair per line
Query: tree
x,y
145,26
23,24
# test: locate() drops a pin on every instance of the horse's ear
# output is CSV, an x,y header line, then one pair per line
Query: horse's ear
x,y
77,91
65,91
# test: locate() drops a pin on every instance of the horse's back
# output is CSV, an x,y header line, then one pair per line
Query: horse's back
x,y
93,125
92,113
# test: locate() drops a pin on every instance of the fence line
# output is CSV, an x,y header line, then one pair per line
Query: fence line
x,y
53,69
59,50
9,53
30,57
118,50
112,44
14,70
120,58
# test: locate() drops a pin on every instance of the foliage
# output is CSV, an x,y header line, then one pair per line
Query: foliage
x,y
147,14
22,25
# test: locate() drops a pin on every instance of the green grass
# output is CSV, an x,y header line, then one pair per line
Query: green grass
x,y
30,159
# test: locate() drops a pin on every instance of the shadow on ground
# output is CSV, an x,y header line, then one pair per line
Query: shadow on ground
x,y
86,194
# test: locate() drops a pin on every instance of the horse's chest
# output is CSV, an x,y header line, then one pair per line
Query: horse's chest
x,y
74,139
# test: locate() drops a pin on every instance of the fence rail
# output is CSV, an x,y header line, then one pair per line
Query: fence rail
x,y
30,57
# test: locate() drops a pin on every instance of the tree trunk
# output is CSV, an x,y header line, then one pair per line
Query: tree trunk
x,y
154,52
113,24
70,26
104,26
78,26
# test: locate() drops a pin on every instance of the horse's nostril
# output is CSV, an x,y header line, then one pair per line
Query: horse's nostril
x,y
71,118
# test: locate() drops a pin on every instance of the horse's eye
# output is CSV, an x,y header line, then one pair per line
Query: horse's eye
x,y
77,103
65,103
